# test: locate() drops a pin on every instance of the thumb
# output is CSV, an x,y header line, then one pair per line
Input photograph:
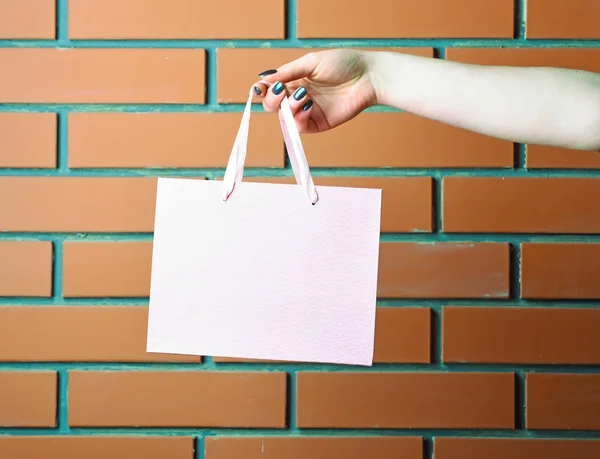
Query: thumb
x,y
294,70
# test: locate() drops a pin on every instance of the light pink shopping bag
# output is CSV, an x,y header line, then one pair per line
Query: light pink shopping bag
x,y
265,271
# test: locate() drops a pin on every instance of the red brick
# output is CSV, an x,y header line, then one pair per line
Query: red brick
x,y
521,335
563,19
402,335
571,58
514,448
72,204
28,139
404,140
176,19
405,400
406,201
78,75
17,21
29,272
405,19
100,269
97,447
563,401
237,68
110,140
521,205
313,447
177,399
542,157
77,334
27,399
443,270
553,271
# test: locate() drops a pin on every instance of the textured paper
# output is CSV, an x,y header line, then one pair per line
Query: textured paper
x,y
265,275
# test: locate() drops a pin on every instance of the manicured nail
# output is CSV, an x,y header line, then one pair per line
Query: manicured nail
x,y
257,91
267,72
278,88
300,93
307,105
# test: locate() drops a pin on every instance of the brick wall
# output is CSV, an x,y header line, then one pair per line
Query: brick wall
x,y
488,325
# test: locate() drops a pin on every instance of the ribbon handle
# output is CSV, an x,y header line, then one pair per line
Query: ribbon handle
x,y
235,166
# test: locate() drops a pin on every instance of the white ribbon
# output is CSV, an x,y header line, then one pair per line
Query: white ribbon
x,y
235,165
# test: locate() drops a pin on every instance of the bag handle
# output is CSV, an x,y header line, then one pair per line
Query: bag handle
x,y
235,165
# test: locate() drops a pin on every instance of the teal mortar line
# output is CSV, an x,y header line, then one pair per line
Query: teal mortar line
x,y
209,107
291,19
308,43
520,19
520,156
292,407
62,22
436,304
435,340
427,447
417,237
294,368
207,432
216,173
63,390
62,162
211,83
199,447
57,265
520,407
437,206
516,269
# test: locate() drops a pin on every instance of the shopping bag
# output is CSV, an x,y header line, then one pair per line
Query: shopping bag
x,y
265,271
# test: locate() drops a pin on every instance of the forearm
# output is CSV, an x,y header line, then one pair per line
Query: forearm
x,y
546,106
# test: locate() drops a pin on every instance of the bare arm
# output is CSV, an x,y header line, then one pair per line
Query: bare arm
x,y
546,106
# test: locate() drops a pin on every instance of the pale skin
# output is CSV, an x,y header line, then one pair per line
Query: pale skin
x,y
543,106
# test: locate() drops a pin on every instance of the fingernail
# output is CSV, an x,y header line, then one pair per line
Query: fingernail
x,y
307,105
257,91
278,88
267,72
300,93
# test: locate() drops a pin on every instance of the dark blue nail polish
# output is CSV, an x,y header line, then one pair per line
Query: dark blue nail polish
x,y
257,91
300,93
278,88
307,105
267,72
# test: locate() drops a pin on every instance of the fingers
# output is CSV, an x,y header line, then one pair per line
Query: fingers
x,y
294,70
298,98
301,105
302,116
273,97
259,89
300,102
277,78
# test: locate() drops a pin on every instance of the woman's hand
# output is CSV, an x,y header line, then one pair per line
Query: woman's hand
x,y
543,106
325,88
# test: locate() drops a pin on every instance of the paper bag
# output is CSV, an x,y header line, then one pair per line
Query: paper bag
x,y
265,271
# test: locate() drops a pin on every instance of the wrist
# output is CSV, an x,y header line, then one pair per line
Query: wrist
x,y
385,83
